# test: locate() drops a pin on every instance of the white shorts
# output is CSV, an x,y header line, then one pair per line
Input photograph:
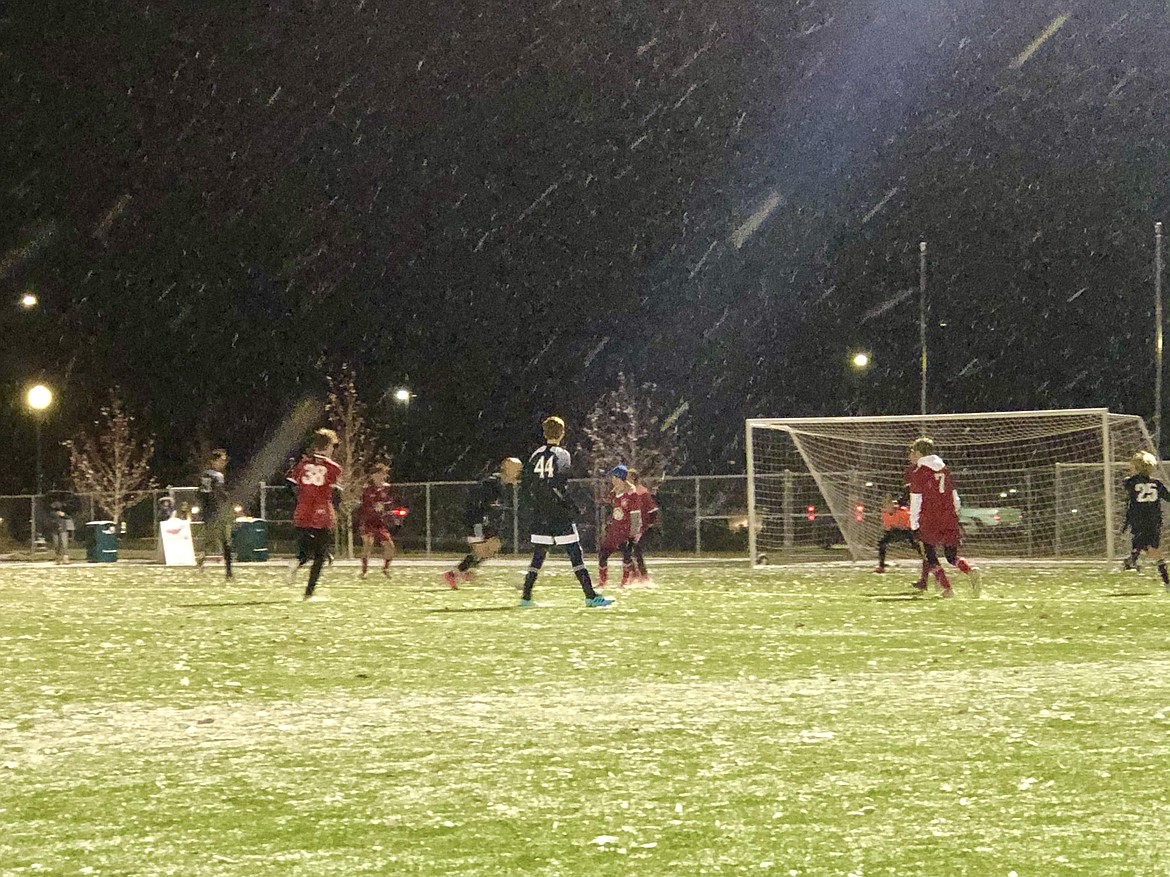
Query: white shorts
x,y
568,537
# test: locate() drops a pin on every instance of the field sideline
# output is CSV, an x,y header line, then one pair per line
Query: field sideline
x,y
795,721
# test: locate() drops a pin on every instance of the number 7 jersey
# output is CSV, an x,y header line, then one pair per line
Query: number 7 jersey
x,y
934,502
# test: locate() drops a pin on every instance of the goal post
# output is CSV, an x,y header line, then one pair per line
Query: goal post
x,y
1032,483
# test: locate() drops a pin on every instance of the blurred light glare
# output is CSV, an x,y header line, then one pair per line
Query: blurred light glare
x,y
860,360
40,397
28,300
402,395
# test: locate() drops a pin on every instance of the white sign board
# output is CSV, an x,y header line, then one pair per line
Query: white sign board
x,y
177,544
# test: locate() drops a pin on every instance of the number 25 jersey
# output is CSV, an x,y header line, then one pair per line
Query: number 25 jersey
x,y
1143,509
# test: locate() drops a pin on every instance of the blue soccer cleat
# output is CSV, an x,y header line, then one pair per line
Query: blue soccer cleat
x,y
598,602
527,604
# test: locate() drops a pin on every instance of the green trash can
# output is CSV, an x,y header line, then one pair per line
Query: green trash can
x,y
101,541
250,540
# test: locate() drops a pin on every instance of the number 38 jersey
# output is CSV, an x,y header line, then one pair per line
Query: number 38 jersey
x,y
314,478
1143,509
546,480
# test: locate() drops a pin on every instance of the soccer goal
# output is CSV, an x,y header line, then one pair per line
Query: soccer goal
x,y
1033,483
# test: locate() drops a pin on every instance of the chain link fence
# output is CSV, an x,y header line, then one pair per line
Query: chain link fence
x,y
703,516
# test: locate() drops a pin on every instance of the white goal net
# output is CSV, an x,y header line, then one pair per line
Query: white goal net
x,y
1032,483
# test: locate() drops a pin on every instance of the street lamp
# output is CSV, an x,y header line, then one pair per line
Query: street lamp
x,y
860,360
28,301
39,398
403,395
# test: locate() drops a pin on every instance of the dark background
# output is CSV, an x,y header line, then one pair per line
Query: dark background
x,y
502,205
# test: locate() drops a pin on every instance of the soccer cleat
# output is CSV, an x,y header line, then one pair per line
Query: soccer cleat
x,y
880,569
314,598
919,585
449,578
947,592
598,602
467,576
527,604
975,577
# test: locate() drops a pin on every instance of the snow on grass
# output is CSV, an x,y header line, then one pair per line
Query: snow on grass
x,y
797,721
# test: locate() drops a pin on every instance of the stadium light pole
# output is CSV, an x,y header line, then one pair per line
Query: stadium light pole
x,y
39,398
922,323
1158,338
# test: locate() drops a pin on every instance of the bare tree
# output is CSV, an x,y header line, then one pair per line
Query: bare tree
x,y
356,452
629,425
112,460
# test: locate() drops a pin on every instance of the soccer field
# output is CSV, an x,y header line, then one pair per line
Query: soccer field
x,y
801,721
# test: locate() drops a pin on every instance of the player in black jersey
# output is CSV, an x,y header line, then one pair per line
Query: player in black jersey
x,y
546,483
217,511
1143,512
483,520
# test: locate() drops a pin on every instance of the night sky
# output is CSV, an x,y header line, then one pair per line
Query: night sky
x,y
503,205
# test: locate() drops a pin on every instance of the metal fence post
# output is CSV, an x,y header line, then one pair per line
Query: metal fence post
x,y
698,520
428,493
263,501
32,520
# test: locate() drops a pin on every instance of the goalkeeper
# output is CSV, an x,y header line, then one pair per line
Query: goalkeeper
x,y
896,523
483,519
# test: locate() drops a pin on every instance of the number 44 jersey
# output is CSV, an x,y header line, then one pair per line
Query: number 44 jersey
x,y
546,481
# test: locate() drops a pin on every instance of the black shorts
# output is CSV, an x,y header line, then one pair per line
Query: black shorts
x,y
897,534
1147,537
314,541
554,533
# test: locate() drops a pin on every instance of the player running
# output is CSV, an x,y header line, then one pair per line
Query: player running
x,y
482,518
545,479
622,527
1143,513
934,517
316,477
377,517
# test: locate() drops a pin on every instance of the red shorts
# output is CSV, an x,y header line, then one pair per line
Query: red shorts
x,y
948,536
613,543
377,532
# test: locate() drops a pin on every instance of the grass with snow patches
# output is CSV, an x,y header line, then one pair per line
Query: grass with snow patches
x,y
797,721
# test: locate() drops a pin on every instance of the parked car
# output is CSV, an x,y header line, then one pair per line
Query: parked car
x,y
981,518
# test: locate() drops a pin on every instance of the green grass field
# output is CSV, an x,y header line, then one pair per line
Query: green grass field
x,y
795,722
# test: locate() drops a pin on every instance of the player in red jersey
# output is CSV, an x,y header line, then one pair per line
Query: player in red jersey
x,y
625,522
934,517
648,505
376,516
316,478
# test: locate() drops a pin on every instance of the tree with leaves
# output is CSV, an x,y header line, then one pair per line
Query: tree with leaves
x,y
630,425
112,461
356,452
